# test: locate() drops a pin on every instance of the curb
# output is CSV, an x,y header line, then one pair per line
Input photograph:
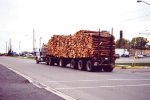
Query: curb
x,y
129,67
40,85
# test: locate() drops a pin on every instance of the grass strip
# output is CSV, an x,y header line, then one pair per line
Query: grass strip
x,y
136,64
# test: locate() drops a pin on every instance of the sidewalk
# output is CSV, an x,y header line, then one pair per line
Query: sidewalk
x,y
15,87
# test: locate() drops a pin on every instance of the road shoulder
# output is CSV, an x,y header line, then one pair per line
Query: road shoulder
x,y
15,87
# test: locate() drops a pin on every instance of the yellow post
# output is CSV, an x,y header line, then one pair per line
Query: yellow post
x,y
134,61
135,55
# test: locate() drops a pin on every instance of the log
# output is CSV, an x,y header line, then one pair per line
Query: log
x,y
83,43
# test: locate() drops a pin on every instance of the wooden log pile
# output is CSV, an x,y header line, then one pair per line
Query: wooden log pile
x,y
83,43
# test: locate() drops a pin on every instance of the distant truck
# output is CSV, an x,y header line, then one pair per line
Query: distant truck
x,y
122,52
85,50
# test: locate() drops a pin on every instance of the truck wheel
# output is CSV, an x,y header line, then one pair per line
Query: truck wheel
x,y
37,61
62,63
47,61
51,62
89,66
73,64
81,65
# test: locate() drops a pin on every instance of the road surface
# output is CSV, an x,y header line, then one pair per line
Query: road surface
x,y
15,87
121,84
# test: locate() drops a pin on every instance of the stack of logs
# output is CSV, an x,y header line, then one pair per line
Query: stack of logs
x,y
82,44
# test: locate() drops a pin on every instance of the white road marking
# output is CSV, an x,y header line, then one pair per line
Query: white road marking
x,y
72,81
40,85
111,86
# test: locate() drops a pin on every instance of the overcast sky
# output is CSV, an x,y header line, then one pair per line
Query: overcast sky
x,y
49,17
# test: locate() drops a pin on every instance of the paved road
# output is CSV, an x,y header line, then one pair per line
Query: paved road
x,y
15,87
121,84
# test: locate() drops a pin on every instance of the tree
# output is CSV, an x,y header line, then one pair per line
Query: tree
x,y
139,43
125,43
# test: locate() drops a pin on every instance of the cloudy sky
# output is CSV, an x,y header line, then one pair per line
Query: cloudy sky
x,y
49,17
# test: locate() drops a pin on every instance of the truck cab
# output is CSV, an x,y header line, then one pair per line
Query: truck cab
x,y
41,56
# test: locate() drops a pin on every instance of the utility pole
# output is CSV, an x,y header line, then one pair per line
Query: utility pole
x,y
112,30
6,48
19,47
33,40
40,44
10,45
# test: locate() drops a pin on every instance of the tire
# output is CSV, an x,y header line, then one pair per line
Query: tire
x,y
62,63
90,66
37,62
51,61
73,64
81,65
47,61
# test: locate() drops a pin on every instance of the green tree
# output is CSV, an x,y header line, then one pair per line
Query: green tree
x,y
139,43
125,43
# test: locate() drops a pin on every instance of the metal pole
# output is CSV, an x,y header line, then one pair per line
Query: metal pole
x,y
40,44
6,47
33,40
112,31
143,2
146,3
19,47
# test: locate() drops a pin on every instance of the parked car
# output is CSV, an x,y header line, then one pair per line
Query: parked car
x,y
124,55
140,56
146,55
28,55
117,56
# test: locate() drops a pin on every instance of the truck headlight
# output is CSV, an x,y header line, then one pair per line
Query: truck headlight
x,y
106,58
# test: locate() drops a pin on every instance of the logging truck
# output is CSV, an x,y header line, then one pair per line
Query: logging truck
x,y
85,50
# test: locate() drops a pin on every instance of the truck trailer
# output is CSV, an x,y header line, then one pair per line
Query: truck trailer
x,y
85,50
